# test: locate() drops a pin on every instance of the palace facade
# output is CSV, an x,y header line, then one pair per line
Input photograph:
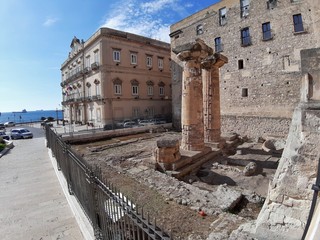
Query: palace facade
x,y
114,76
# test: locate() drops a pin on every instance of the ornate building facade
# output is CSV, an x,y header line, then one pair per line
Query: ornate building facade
x,y
116,75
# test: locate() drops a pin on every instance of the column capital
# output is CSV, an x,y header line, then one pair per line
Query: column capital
x,y
197,50
216,60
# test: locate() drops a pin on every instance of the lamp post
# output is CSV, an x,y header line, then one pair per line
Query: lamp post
x,y
57,116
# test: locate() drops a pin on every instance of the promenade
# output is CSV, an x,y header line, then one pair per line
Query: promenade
x,y
32,203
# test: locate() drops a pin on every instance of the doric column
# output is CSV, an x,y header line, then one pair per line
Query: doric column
x,y
192,96
211,91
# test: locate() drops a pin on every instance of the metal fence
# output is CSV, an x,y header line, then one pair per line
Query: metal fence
x,y
112,215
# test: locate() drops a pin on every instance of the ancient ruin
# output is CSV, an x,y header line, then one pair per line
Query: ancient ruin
x,y
200,95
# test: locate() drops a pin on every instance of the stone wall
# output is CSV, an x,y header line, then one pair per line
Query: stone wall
x,y
254,127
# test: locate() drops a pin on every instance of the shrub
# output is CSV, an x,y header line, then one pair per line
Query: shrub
x,y
2,146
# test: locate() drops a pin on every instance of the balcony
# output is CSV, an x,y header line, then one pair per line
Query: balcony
x,y
86,70
95,66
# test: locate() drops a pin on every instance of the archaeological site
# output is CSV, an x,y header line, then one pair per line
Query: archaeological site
x,y
240,159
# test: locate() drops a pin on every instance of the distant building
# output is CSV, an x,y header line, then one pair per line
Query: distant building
x,y
260,84
116,75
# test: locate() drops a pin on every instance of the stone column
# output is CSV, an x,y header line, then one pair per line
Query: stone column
x,y
192,96
211,91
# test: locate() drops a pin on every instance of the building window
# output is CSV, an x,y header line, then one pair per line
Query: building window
x,y
244,5
266,31
149,61
199,29
218,45
88,90
87,61
161,91
160,63
161,88
223,16
245,37
117,86
134,87
134,58
96,56
150,90
116,55
240,64
98,115
149,112
297,23
244,92
271,4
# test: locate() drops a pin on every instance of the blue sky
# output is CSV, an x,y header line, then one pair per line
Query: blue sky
x,y
36,36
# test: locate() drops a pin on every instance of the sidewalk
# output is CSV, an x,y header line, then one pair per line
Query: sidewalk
x,y
32,203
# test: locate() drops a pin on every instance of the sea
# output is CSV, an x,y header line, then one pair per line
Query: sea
x,y
29,116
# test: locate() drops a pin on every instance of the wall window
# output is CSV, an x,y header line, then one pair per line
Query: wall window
x,y
116,55
88,89
149,61
96,56
161,88
150,90
199,29
218,45
266,31
271,4
87,61
97,86
134,87
160,63
98,113
297,23
245,37
244,7
149,112
240,64
222,16
244,92
117,88
134,58
161,91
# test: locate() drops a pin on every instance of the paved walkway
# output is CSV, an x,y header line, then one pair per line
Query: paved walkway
x,y
32,203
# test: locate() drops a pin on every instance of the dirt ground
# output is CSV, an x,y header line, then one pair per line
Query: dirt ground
x,y
178,206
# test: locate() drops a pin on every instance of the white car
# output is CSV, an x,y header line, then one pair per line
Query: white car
x,y
20,133
9,124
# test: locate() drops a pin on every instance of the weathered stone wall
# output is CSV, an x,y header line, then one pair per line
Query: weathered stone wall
x,y
255,127
269,83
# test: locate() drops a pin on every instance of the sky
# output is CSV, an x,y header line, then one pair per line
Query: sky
x,y
35,37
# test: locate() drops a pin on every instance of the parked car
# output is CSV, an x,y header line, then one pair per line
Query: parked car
x,y
129,124
2,126
9,124
145,122
4,135
20,133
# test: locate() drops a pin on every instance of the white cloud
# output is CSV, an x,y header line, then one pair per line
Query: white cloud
x,y
50,21
150,19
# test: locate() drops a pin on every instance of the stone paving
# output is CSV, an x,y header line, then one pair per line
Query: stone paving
x,y
32,203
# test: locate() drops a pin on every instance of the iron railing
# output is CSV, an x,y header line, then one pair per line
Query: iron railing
x,y
112,215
